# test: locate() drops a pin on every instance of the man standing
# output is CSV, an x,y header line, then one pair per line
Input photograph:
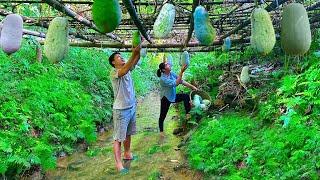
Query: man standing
x,y
124,106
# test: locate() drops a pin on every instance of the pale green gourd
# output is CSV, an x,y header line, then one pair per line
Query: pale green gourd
x,y
263,36
56,44
165,20
244,77
295,30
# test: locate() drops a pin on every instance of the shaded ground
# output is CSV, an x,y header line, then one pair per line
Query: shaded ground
x,y
155,161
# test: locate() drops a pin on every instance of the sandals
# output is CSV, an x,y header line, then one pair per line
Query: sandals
x,y
124,171
134,157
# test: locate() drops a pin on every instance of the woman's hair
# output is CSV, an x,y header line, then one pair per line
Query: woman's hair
x,y
162,66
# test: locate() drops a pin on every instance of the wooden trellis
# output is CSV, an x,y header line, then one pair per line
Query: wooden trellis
x,y
234,23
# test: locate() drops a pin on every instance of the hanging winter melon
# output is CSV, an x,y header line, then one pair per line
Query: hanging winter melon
x,y
143,52
295,30
184,59
244,77
164,22
170,60
227,44
136,38
11,33
262,37
106,14
56,44
204,31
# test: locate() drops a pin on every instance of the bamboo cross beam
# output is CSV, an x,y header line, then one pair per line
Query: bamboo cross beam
x,y
209,49
314,6
33,33
159,46
227,15
60,7
141,3
191,28
45,25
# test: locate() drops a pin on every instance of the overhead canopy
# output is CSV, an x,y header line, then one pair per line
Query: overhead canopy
x,y
231,18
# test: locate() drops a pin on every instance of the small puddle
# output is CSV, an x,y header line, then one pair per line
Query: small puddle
x,y
154,161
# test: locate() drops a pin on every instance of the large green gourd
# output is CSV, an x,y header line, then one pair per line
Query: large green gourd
x,y
136,38
295,30
263,37
106,14
165,20
56,44
204,31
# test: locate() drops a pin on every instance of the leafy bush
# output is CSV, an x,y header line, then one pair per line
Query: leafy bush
x,y
50,111
235,146
53,106
281,142
219,151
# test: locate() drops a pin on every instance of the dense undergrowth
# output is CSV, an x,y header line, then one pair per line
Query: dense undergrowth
x,y
46,109
277,139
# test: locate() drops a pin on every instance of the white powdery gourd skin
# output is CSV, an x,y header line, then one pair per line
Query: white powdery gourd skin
x,y
56,44
11,33
244,77
184,59
164,22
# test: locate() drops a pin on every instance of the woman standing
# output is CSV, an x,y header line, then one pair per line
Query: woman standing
x,y
168,82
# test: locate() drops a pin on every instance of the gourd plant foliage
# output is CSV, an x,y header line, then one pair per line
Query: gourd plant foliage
x,y
298,93
236,146
287,146
50,112
46,109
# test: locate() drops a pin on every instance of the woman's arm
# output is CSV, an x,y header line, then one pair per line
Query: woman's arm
x,y
189,85
179,78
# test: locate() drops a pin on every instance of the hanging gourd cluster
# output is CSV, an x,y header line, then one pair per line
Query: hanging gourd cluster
x,y
295,29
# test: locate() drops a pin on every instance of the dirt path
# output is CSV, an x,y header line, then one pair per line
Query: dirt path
x,y
155,161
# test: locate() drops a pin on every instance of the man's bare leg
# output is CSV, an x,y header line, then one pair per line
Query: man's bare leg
x,y
117,154
127,150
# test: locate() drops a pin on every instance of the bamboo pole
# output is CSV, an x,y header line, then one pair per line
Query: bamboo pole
x,y
269,8
60,7
156,46
139,3
29,32
191,28
313,6
46,25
